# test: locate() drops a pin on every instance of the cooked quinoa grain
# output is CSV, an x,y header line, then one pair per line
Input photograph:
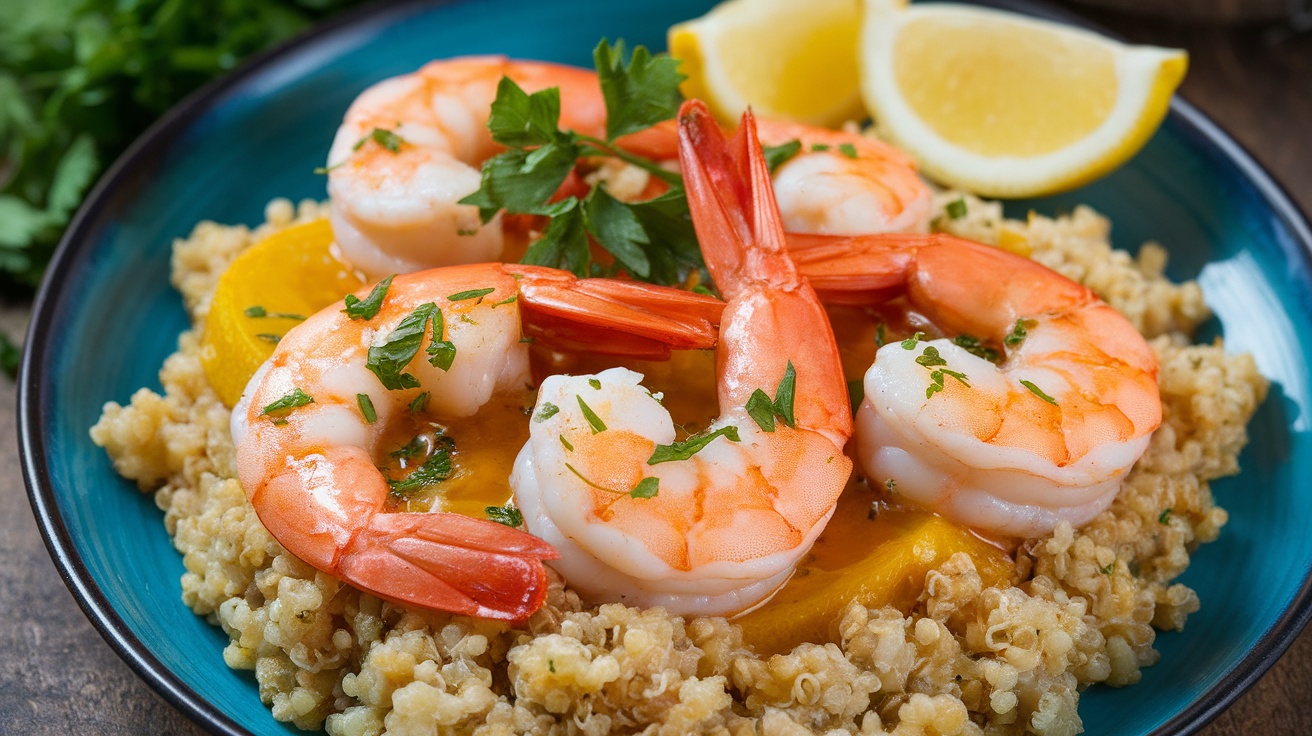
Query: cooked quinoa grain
x,y
967,659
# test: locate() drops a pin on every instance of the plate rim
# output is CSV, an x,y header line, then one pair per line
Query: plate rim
x,y
143,155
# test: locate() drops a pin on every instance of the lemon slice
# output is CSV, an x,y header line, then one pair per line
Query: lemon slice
x,y
288,275
1005,105
788,60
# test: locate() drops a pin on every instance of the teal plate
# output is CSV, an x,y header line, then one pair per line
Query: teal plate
x,y
106,318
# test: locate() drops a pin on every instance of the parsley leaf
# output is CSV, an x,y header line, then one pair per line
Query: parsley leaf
x,y
956,209
638,94
1019,332
471,294
1038,392
522,119
368,307
432,471
546,411
847,149
691,446
286,404
386,138
508,515
776,156
616,227
387,361
594,421
763,411
442,352
367,407
646,488
419,403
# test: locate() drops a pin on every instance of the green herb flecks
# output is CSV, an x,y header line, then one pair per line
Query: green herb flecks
x,y
566,443
976,347
1109,568
441,353
847,149
367,407
691,446
956,209
388,139
419,404
471,294
651,240
594,421
546,410
259,312
269,337
1019,332
432,471
283,406
646,488
1038,392
776,156
368,307
508,515
594,383
763,411
388,361
880,339
911,342
1165,516
820,147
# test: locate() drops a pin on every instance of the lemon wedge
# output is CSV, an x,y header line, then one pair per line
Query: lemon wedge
x,y
266,291
1005,105
789,60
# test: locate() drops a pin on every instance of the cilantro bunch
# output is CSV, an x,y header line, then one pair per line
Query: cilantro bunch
x,y
651,240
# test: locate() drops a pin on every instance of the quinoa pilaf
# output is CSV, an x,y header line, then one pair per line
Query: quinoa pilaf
x,y
968,659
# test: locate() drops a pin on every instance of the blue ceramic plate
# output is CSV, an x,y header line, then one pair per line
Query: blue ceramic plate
x,y
107,317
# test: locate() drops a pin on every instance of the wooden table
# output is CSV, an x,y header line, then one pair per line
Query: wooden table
x,y
59,677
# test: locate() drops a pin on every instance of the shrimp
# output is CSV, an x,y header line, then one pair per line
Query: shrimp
x,y
719,527
843,183
308,467
396,193
1043,435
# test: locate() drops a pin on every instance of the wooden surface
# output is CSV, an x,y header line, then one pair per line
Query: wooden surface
x,y
57,676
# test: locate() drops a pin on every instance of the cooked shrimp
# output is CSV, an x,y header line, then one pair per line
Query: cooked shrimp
x,y
395,194
1043,435
843,183
309,468
718,529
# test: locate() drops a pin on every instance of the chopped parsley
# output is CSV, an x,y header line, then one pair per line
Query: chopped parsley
x,y
1165,516
259,312
1109,568
368,307
1038,392
419,403
763,411
594,421
819,147
442,353
691,446
776,156
471,294
566,444
388,361
413,448
432,471
1019,332
890,485
280,408
546,410
847,149
367,407
929,357
879,334
956,209
594,383
646,488
386,138
269,337
911,342
976,347
508,515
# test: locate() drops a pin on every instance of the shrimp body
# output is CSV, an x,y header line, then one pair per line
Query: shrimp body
x,y
843,183
396,200
1043,435
717,530
310,471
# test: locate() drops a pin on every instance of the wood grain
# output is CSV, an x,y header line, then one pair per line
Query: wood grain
x,y
59,677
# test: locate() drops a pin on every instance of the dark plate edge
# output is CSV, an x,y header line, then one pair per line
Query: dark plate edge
x,y
138,158
1269,648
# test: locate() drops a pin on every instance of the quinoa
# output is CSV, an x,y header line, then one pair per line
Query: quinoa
x,y
967,659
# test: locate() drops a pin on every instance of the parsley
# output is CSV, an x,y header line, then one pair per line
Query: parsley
x,y
383,137
1019,332
910,342
930,357
1109,569
847,149
594,421
471,294
691,446
879,335
651,240
1165,516
594,383
368,307
936,378
564,442
508,515
956,209
413,448
551,665
419,403
546,411
434,470
976,347
820,147
269,337
890,485
1038,392
442,352
283,406
776,156
646,488
387,361
763,411
257,312
367,407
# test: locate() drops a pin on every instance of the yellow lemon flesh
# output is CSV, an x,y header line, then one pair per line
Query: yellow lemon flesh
x,y
789,60
291,272
876,561
1005,105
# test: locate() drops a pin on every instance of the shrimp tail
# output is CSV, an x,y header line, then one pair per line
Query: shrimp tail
x,y
450,562
615,317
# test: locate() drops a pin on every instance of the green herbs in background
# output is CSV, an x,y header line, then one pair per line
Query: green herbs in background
x,y
652,240
9,356
80,79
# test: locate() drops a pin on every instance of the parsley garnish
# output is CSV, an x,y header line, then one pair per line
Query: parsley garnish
x,y
910,342
257,312
931,359
763,411
368,307
776,156
419,403
269,337
1109,569
386,138
435,469
508,515
471,294
442,353
646,488
546,411
936,377
879,335
847,149
566,443
976,347
890,485
689,447
367,407
280,408
820,147
594,421
1019,332
387,361
956,209
594,383
1165,516
652,240
1038,392
413,448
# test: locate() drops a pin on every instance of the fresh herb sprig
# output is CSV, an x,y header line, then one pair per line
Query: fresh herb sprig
x,y
652,240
